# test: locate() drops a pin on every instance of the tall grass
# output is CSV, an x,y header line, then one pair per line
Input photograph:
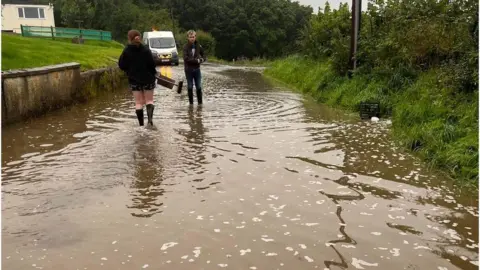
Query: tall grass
x,y
428,118
21,52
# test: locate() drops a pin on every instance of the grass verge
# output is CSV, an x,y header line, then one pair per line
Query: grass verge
x,y
22,52
440,125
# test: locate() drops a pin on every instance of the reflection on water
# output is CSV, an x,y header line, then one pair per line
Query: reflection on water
x,y
148,174
166,71
343,181
255,178
194,146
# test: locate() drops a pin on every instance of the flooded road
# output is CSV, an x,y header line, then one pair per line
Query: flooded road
x,y
256,178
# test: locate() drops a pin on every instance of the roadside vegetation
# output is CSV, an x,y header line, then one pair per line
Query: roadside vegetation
x,y
419,59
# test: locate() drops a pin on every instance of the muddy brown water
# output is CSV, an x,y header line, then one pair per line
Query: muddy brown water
x,y
258,177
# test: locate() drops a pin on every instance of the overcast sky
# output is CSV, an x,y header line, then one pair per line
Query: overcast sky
x,y
333,3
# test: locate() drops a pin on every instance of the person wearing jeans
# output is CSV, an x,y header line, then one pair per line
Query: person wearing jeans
x,y
193,56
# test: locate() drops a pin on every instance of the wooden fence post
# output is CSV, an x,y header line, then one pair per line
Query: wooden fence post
x,y
51,29
21,27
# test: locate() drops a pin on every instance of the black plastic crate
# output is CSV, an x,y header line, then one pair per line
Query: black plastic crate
x,y
369,109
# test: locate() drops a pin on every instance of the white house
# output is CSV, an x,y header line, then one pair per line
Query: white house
x,y
14,15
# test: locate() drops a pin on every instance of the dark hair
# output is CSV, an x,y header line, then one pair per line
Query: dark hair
x,y
134,37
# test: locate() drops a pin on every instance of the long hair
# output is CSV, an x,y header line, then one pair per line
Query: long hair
x,y
134,37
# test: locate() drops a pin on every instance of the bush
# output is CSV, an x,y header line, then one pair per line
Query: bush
x,y
429,116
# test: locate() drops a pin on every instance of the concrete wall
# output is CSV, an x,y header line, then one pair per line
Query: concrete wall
x,y
32,92
11,17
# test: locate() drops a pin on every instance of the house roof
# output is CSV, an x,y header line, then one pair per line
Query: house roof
x,y
26,2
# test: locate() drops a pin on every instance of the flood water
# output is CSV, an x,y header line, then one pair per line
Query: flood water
x,y
258,177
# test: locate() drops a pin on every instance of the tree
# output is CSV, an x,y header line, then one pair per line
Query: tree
x,y
73,10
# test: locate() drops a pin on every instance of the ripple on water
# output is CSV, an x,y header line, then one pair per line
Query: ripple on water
x,y
318,188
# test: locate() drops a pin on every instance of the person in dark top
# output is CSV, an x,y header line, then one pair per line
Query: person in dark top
x,y
193,56
137,62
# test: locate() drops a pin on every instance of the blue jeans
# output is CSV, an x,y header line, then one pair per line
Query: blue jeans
x,y
194,76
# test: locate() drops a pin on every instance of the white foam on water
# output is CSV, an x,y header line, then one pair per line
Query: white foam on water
x,y
245,251
397,217
168,245
395,252
308,259
358,263
422,247
197,252
453,234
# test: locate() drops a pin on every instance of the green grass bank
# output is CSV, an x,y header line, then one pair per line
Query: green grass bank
x,y
21,52
428,117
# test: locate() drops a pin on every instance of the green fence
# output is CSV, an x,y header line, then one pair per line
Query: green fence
x,y
58,32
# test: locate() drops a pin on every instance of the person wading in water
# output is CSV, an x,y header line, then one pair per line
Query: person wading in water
x,y
193,56
137,61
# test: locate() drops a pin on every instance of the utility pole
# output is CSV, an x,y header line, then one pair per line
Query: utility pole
x,y
356,16
79,23
173,20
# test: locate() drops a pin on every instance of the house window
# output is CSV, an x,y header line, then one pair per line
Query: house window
x,y
31,13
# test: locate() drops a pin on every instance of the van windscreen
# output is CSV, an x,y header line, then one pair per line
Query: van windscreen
x,y
161,43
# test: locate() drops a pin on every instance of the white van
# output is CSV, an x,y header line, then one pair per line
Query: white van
x,y
163,46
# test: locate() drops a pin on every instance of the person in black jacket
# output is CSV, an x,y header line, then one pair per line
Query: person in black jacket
x,y
137,61
193,56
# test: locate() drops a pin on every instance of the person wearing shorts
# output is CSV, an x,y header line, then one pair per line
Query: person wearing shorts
x,y
137,62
